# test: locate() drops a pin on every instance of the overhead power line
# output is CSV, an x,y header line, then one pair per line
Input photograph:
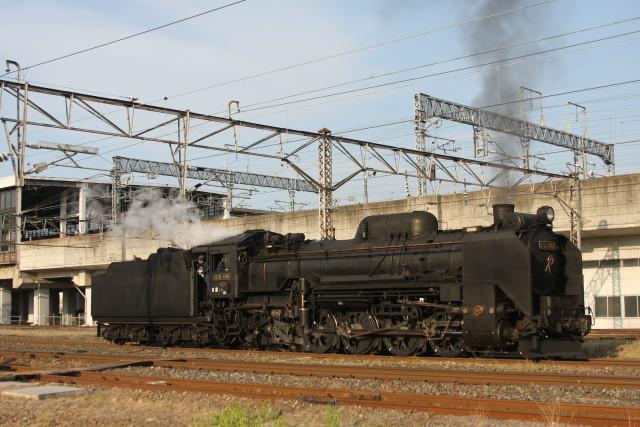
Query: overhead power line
x,y
425,76
285,68
197,15
454,59
510,46
506,60
363,48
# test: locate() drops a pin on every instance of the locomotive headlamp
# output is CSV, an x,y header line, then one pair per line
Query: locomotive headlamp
x,y
546,214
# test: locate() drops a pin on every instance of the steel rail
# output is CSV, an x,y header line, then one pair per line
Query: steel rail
x,y
432,375
595,363
449,405
614,334
408,374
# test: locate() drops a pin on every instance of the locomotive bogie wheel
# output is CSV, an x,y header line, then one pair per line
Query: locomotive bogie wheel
x,y
360,320
401,345
323,338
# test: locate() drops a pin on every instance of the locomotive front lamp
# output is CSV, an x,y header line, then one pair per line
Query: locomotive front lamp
x,y
546,213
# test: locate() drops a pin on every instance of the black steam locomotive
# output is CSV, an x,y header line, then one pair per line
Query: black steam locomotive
x,y
400,286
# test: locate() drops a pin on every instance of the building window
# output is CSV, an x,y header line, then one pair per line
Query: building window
x,y
608,307
609,263
631,304
631,262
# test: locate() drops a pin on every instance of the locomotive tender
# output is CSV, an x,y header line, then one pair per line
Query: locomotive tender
x,y
400,286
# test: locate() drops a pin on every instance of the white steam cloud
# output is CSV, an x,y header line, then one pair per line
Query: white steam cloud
x,y
177,221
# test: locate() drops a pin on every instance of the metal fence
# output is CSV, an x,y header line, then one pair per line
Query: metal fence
x,y
16,320
53,320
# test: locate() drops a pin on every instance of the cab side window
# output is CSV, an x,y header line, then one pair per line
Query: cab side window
x,y
219,263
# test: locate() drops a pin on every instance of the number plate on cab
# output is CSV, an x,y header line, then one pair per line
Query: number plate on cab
x,y
547,245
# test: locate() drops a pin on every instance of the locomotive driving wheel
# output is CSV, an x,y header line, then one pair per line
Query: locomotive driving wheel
x,y
447,345
323,338
359,342
403,345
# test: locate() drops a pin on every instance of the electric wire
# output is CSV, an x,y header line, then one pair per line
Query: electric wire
x,y
422,77
130,36
363,48
444,72
535,98
454,59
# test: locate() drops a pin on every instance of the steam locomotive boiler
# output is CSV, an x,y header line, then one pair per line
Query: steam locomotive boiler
x,y
400,286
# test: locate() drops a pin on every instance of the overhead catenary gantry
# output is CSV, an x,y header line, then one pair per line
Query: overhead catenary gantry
x,y
426,107
185,130
225,178
447,110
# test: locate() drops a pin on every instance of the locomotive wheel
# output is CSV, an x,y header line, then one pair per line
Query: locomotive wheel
x,y
320,341
403,345
360,344
220,333
449,345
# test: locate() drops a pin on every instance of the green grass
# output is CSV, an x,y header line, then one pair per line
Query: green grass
x,y
242,416
334,417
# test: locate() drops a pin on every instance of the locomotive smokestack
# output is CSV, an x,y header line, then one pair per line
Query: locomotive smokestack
x,y
500,210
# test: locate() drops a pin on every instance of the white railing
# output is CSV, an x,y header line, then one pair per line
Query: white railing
x,y
69,320
16,320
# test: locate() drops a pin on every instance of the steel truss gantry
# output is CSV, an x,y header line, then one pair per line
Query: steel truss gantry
x,y
426,107
226,178
447,110
184,130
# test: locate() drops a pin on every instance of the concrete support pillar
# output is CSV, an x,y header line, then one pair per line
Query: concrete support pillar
x,y
88,318
82,280
69,307
63,213
30,315
5,305
41,306
82,210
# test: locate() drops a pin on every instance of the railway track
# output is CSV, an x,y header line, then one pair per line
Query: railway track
x,y
449,405
595,363
501,409
599,334
351,371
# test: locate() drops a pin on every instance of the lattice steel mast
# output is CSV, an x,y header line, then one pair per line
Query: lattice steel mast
x,y
325,193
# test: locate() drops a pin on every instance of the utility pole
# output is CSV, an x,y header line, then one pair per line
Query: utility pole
x,y
325,193
185,146
116,186
522,98
228,202
525,142
420,130
575,196
21,142
292,200
580,158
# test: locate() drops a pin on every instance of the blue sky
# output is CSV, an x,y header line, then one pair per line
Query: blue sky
x,y
261,35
